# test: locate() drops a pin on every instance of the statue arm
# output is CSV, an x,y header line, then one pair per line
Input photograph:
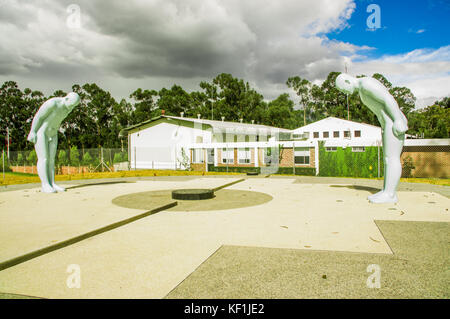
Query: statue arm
x,y
39,118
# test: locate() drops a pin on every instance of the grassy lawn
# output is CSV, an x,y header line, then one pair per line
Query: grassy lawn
x,y
23,178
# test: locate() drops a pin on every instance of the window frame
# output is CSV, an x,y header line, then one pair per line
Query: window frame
x,y
358,149
302,153
227,160
248,155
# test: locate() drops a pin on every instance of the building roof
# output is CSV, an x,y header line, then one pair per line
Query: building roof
x,y
428,142
217,126
334,120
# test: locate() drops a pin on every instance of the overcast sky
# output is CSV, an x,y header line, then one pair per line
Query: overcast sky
x,y
124,45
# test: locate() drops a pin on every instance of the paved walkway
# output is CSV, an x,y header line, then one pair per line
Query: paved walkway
x,y
150,257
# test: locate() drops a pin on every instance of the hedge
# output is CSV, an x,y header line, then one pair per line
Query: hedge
x,y
308,171
233,169
346,163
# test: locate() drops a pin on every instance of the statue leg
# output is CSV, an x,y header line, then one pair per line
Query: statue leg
x,y
42,151
53,146
392,149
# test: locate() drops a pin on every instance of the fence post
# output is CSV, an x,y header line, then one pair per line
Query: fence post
x,y
293,157
378,146
3,160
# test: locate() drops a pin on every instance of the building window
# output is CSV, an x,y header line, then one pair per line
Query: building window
x,y
336,134
197,155
357,133
330,149
326,134
358,149
244,156
316,134
228,156
301,155
347,134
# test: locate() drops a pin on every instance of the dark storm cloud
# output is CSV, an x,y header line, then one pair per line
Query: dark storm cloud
x,y
142,43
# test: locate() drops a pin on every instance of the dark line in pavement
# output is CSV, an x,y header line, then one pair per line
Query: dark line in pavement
x,y
23,258
95,184
229,184
196,268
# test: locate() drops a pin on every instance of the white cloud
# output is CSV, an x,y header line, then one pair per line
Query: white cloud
x,y
123,45
425,71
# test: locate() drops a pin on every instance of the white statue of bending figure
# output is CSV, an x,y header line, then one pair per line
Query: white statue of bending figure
x,y
44,135
393,123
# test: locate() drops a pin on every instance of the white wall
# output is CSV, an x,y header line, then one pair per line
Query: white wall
x,y
368,132
158,147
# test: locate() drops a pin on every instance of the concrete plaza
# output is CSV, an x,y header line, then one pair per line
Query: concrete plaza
x,y
170,253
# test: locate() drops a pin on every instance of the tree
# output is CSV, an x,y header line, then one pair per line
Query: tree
x,y
143,109
17,110
175,101
432,121
280,112
303,89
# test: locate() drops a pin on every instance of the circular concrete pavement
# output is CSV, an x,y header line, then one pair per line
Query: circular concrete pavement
x,y
223,199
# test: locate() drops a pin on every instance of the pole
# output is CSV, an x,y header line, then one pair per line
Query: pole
x,y
7,143
293,157
378,160
348,110
3,160
135,158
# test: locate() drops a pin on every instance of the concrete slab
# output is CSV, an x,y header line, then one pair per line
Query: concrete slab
x,y
148,258
30,220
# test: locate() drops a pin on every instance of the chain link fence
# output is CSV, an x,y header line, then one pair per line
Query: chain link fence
x,y
350,161
70,161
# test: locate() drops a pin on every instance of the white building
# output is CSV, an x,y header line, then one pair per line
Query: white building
x,y
334,130
159,143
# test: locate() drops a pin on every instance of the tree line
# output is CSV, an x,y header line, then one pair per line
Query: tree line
x,y
97,121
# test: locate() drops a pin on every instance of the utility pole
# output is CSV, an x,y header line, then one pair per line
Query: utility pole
x,y
7,142
348,109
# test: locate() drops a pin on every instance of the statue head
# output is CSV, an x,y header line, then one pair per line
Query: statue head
x,y
346,83
71,100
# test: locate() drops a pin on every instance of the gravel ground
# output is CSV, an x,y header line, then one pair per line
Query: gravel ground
x,y
419,268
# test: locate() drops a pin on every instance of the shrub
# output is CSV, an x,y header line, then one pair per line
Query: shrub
x,y
74,156
87,159
62,157
233,169
408,166
32,158
20,159
308,171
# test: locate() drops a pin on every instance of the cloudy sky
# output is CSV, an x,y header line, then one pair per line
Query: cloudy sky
x,y
123,45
